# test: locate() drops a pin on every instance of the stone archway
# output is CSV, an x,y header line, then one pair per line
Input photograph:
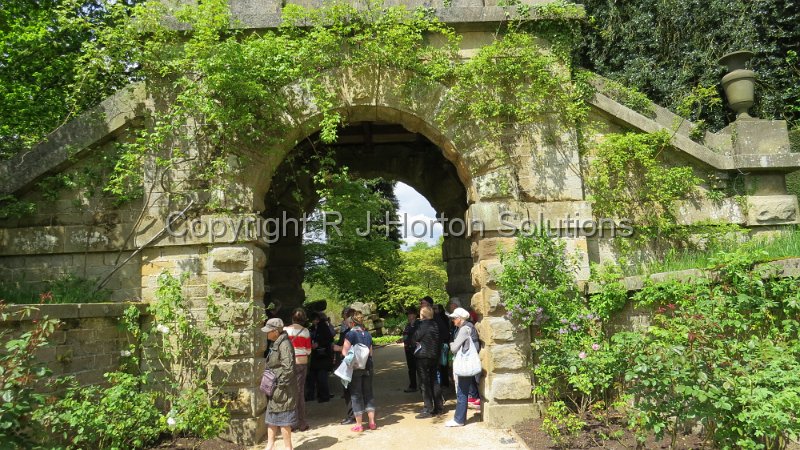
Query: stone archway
x,y
368,150
538,179
469,162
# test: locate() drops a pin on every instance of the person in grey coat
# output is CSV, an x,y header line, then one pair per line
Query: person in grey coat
x,y
465,337
281,412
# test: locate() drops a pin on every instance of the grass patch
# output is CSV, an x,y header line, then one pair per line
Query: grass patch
x,y
66,289
386,340
785,244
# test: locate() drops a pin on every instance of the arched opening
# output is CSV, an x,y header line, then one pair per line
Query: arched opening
x,y
369,149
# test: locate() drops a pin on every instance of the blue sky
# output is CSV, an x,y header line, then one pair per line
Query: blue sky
x,y
418,215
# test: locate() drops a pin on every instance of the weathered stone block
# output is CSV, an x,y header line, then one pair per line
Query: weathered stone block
x,y
506,357
490,248
459,284
246,342
485,272
231,259
483,159
245,430
497,329
32,240
239,315
568,216
762,137
61,311
500,183
504,415
239,284
88,310
248,401
459,265
240,372
728,210
486,302
82,238
509,386
456,248
773,209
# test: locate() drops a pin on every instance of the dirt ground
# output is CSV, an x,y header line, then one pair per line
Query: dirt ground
x,y
591,438
397,427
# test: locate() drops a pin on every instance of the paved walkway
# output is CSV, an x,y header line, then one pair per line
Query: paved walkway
x,y
397,427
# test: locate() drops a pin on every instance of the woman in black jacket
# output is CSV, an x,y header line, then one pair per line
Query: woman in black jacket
x,y
321,363
444,345
427,344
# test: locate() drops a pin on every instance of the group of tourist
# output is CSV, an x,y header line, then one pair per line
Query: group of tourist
x,y
302,359
428,342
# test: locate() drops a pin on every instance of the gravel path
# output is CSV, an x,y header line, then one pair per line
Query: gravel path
x,y
397,427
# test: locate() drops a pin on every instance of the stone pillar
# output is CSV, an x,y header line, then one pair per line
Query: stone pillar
x,y
507,386
235,263
755,144
239,269
458,259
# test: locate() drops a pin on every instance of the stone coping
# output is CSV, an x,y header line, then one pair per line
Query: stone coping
x,y
667,120
788,267
67,142
260,14
73,310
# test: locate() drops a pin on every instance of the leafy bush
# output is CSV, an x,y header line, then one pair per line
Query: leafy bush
x,y
195,413
119,416
572,359
182,351
19,376
127,413
65,289
385,340
724,353
561,424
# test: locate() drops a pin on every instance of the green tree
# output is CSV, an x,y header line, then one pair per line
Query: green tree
x,y
354,257
421,272
667,48
386,189
41,45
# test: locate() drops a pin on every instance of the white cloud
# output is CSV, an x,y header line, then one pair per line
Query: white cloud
x,y
418,215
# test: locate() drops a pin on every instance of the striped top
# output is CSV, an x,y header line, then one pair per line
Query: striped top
x,y
301,341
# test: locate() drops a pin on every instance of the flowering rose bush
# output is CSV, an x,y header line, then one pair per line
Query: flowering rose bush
x,y
724,353
721,351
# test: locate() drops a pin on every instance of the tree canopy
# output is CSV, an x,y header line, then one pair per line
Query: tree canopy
x,y
667,49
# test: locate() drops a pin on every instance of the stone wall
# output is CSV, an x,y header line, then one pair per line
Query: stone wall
x,y
73,231
237,268
85,345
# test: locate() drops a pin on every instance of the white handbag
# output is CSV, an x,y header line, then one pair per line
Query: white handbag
x,y
361,353
467,363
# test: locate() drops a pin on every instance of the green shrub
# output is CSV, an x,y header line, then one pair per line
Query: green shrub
x,y
120,416
724,353
20,374
561,424
65,289
385,340
572,359
195,414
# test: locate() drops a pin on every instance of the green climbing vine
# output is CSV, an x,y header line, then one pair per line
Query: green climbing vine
x,y
628,178
220,88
